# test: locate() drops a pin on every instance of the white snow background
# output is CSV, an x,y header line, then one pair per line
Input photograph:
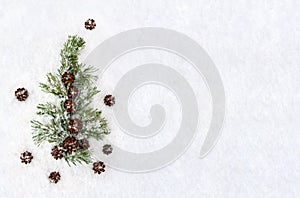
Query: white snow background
x,y
254,44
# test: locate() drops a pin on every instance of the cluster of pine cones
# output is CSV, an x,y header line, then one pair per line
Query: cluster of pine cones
x,y
26,158
71,143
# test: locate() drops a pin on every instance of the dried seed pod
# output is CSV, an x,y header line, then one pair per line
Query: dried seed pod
x,y
73,92
107,149
98,167
90,24
75,126
70,144
70,106
21,94
57,153
84,144
54,177
109,100
26,157
68,78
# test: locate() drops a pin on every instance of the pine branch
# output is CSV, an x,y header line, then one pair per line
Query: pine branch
x,y
69,54
48,109
97,129
90,115
85,76
79,156
54,86
85,98
56,130
99,124
46,132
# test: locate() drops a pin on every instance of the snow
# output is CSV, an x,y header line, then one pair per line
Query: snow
x,y
254,45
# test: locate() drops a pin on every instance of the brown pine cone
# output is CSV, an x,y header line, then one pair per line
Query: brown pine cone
x,y
84,144
73,92
90,24
57,153
26,157
75,126
70,144
68,78
70,106
54,177
109,100
98,167
21,94
107,149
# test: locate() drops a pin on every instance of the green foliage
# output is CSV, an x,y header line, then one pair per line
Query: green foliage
x,y
54,126
69,54
80,156
54,86
47,132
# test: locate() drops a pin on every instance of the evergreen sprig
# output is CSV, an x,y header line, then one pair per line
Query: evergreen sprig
x,y
80,156
69,54
54,127
54,86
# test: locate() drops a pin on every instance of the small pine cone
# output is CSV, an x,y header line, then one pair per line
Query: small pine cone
x,y
75,126
26,157
90,24
68,78
109,100
54,177
107,149
70,144
73,92
98,167
21,94
84,144
57,153
70,106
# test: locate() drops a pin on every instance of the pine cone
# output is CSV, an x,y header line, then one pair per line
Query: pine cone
x,y
26,157
84,144
109,100
54,177
70,106
90,24
107,149
21,94
98,167
68,78
73,92
70,144
75,126
57,153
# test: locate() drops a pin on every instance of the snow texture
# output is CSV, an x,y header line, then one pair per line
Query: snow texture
x,y
255,46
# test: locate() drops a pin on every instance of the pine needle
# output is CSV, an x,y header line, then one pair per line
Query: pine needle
x,y
54,127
